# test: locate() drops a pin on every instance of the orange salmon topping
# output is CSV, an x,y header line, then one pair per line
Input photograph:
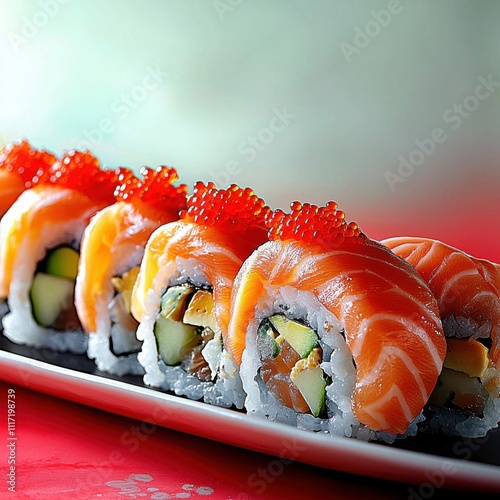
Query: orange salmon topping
x,y
233,209
324,226
28,163
156,188
81,171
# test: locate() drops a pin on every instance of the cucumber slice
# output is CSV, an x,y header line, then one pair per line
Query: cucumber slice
x,y
302,338
62,262
175,339
311,384
50,296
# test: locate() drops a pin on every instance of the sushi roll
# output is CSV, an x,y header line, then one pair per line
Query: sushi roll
x,y
111,252
466,399
39,251
333,332
182,294
20,168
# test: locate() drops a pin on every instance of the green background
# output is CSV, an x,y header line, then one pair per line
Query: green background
x,y
74,74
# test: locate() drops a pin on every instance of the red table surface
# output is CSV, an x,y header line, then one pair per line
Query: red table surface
x,y
65,450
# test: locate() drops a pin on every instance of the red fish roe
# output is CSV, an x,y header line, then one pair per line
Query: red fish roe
x,y
233,209
81,171
156,188
324,226
28,163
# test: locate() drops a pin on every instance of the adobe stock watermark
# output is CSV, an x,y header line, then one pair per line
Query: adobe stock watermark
x,y
253,144
453,118
31,25
223,7
363,37
122,107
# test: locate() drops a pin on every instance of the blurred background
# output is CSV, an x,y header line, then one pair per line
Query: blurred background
x,y
389,107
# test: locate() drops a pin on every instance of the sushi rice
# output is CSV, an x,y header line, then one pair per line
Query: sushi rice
x,y
226,390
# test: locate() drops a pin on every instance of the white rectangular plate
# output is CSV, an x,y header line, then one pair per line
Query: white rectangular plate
x,y
472,464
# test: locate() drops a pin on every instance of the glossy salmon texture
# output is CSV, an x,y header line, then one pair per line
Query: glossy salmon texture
x,y
389,316
467,289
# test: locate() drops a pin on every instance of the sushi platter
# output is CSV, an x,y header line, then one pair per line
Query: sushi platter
x,y
469,464
213,314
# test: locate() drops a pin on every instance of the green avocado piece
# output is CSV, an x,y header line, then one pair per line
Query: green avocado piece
x,y
175,339
311,384
173,301
302,338
50,295
62,262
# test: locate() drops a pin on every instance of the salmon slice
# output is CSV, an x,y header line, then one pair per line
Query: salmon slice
x,y
389,316
275,373
467,289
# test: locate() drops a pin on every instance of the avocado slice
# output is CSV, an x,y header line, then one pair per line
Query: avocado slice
x,y
308,377
62,262
173,301
175,339
302,338
50,296
200,311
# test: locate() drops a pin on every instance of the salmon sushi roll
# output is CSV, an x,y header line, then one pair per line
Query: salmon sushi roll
x,y
332,331
182,294
39,251
20,168
111,252
466,399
